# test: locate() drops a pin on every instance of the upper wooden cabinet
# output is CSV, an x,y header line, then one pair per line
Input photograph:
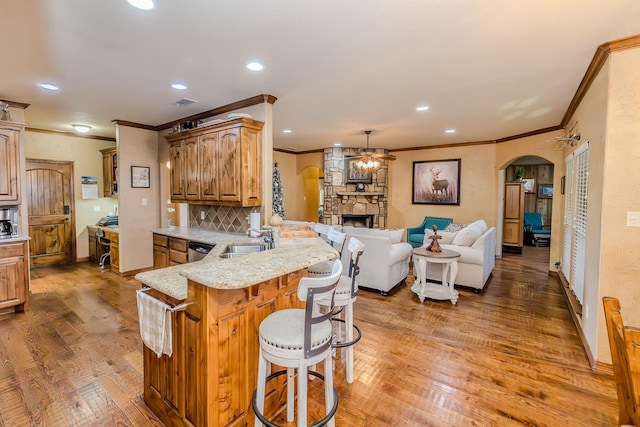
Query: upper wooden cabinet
x,y
110,171
219,164
10,163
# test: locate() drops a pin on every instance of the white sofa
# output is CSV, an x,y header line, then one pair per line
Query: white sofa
x,y
476,244
385,261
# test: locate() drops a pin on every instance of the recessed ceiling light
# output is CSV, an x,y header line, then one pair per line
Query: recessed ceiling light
x,y
286,131
450,131
422,108
48,86
255,66
179,86
142,4
81,128
337,144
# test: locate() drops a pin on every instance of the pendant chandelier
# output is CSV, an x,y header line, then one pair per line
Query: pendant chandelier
x,y
368,158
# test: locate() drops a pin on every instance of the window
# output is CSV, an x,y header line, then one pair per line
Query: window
x,y
575,219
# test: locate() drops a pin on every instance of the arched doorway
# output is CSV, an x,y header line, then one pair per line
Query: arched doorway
x,y
313,188
536,175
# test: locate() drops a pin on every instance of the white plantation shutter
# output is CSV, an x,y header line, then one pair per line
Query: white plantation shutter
x,y
568,219
575,220
580,225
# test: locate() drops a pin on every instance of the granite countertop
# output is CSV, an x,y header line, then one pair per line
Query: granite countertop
x,y
288,256
18,238
199,235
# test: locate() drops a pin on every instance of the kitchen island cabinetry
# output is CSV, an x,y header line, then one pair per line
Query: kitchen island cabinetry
x,y
14,275
211,375
218,164
9,162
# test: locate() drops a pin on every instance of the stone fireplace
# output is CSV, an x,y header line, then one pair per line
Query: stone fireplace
x,y
358,220
343,200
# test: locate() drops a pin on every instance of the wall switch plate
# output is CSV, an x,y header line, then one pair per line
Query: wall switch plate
x,y
202,215
96,208
633,219
144,202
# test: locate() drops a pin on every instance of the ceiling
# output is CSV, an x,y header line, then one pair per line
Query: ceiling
x,y
489,69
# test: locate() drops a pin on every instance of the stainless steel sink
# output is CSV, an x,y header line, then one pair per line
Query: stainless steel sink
x,y
240,249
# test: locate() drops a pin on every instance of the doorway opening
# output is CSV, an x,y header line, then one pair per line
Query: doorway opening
x,y
51,209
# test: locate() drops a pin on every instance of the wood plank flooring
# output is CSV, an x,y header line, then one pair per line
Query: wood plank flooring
x,y
509,356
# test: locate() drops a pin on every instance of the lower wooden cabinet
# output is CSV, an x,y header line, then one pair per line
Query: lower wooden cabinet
x,y
114,249
209,379
14,275
169,251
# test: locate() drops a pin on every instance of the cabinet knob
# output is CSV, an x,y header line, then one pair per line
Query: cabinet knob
x,y
233,332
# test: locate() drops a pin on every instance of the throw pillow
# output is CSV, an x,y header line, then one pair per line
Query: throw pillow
x,y
447,237
481,225
453,227
467,236
396,234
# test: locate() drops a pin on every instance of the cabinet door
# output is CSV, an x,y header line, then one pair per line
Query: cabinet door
x,y
191,177
252,173
160,257
13,274
114,250
233,376
208,152
9,174
176,182
93,244
230,164
513,228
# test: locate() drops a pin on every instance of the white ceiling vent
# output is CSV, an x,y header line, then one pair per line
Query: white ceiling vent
x,y
184,102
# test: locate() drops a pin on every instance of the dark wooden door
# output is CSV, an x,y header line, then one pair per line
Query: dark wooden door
x,y
51,206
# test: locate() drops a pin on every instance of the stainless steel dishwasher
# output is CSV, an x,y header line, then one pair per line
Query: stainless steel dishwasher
x,y
197,251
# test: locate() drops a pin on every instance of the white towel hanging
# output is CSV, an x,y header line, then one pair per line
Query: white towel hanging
x,y
155,323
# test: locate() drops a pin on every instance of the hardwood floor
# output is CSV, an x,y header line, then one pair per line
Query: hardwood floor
x,y
509,356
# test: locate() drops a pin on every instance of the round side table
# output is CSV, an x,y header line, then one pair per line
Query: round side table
x,y
424,289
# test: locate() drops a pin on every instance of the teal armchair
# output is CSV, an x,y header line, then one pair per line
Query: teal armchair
x,y
415,235
533,224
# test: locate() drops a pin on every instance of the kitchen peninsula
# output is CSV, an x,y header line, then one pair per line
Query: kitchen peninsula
x,y
211,375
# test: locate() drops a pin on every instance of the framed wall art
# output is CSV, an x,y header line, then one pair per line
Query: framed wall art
x,y
140,176
436,182
529,185
545,191
354,174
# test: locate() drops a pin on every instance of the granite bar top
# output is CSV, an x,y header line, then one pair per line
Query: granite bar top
x,y
288,256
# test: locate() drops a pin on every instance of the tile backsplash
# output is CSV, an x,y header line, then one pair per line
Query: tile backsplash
x,y
221,218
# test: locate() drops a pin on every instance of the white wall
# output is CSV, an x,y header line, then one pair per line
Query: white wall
x,y
139,207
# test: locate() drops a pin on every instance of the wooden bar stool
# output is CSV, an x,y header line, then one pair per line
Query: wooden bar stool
x,y
297,339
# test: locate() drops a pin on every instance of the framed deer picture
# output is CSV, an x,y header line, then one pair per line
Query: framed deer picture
x,y
436,182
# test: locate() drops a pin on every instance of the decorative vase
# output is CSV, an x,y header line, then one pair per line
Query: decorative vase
x,y
275,220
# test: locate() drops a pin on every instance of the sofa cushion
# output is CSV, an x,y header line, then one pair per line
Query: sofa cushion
x,y
468,255
467,236
395,234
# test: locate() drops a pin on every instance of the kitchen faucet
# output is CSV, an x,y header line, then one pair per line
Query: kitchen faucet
x,y
267,233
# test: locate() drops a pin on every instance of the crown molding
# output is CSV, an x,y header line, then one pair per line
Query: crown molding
x,y
599,58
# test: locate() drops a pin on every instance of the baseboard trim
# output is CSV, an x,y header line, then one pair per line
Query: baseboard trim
x,y
566,292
